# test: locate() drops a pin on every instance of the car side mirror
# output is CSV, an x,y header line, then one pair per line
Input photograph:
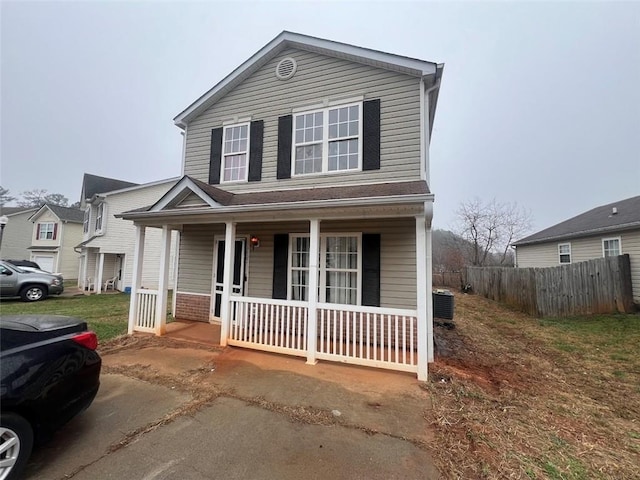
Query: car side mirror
x,y
6,272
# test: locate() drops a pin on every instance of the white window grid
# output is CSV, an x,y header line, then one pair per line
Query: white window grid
x,y
235,153
46,231
298,282
327,140
611,247
564,253
85,221
99,216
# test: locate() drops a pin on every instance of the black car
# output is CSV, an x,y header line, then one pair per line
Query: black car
x,y
50,373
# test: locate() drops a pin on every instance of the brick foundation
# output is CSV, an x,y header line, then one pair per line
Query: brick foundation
x,y
192,307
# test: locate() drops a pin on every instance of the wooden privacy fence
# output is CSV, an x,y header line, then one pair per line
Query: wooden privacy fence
x,y
447,279
602,285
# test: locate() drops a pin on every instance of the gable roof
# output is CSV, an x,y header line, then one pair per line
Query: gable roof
x,y
388,61
15,210
65,214
616,216
93,184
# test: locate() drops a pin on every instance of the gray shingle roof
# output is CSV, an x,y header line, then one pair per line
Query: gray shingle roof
x,y
318,193
93,184
67,214
598,220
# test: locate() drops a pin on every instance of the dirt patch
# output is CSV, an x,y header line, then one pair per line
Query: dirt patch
x,y
507,405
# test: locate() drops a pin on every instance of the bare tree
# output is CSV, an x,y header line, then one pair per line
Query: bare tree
x,y
490,228
5,197
37,197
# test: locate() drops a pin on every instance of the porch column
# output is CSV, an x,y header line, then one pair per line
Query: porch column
x,y
163,282
225,311
422,290
312,321
429,270
136,276
100,270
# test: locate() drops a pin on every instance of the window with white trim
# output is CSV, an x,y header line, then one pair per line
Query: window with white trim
x,y
85,221
235,153
564,252
46,231
327,140
99,217
611,247
340,272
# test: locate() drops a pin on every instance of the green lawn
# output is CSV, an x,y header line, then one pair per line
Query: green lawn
x,y
107,315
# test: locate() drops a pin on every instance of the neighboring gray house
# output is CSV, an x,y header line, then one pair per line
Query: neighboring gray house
x,y
604,231
16,237
107,242
311,160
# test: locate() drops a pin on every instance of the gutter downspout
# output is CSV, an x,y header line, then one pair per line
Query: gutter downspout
x,y
425,132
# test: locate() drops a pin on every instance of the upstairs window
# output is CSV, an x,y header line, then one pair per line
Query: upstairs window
x,y
327,140
564,252
611,247
46,231
235,153
99,217
85,222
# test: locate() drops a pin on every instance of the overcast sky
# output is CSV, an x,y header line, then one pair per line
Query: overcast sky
x,y
540,102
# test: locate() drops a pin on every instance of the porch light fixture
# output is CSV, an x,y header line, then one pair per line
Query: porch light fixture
x,y
255,241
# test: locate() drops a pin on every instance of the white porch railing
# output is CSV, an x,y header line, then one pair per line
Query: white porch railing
x,y
370,336
146,310
272,325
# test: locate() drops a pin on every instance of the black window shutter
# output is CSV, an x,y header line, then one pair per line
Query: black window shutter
x,y
255,150
280,265
371,269
215,157
371,135
285,126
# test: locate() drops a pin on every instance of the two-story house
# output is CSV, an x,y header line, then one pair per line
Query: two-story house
x,y
311,160
55,231
106,249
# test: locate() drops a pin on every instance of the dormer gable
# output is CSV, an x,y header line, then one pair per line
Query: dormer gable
x,y
191,193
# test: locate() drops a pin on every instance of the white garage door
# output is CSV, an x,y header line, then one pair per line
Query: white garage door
x,y
45,262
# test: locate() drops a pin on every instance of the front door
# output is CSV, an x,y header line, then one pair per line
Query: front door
x,y
238,271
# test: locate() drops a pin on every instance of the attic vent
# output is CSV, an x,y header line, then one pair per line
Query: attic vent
x,y
286,68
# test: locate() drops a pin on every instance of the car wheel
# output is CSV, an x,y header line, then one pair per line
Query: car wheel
x,y
16,441
33,293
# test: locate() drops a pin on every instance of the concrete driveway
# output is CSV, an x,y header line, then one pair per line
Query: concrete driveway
x,y
171,410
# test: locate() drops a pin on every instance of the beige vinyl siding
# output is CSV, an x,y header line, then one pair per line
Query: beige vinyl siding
x,y
539,255
196,257
191,200
398,265
17,236
583,249
631,245
263,97
68,258
47,216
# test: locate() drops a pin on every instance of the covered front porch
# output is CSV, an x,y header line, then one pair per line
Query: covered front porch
x,y
338,282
